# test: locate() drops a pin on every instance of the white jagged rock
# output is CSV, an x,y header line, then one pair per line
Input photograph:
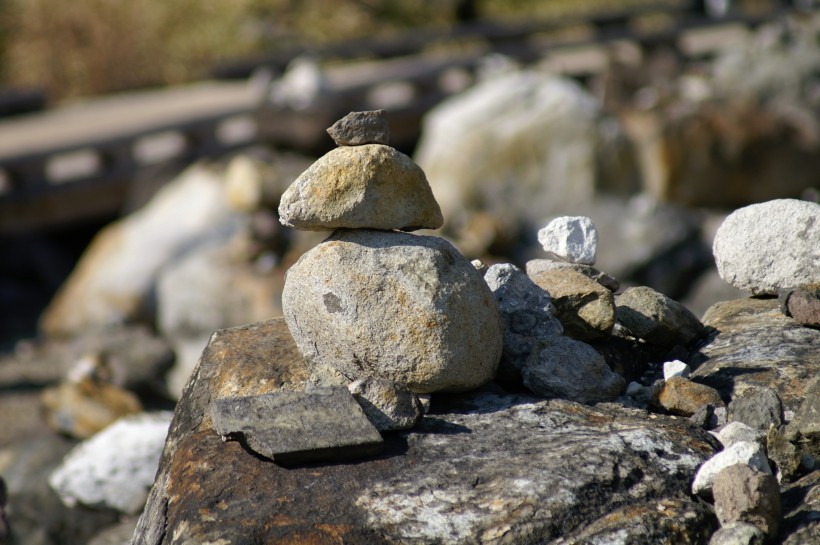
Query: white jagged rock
x,y
675,368
735,432
116,467
570,238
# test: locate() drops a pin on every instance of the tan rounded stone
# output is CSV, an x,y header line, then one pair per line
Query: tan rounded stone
x,y
371,186
684,397
401,307
585,308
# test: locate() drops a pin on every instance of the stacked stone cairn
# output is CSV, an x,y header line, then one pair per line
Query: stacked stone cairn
x,y
381,316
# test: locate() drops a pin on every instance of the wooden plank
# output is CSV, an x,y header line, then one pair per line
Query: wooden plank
x,y
98,120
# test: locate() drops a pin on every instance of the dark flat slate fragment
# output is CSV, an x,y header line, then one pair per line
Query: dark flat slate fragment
x,y
324,424
359,128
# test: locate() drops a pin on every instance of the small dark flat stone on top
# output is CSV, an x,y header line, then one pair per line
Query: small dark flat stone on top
x,y
299,427
359,128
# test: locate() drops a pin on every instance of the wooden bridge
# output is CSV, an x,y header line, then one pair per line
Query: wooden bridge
x,y
79,161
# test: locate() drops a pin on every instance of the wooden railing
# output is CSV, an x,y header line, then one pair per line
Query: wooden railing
x,y
80,161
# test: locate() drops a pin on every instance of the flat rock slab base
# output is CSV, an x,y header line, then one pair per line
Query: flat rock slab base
x,y
479,468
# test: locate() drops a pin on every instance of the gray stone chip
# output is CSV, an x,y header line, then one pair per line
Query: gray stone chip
x,y
358,128
387,405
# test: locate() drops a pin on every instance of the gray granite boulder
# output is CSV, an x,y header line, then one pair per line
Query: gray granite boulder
x,y
371,186
656,318
568,369
766,247
480,468
406,308
528,315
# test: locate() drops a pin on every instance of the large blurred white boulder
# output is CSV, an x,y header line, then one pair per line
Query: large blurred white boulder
x,y
522,146
116,467
213,287
115,277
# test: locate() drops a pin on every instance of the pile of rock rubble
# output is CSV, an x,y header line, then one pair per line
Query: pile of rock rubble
x,y
387,325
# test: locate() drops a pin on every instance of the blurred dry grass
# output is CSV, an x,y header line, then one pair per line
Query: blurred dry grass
x,y
84,47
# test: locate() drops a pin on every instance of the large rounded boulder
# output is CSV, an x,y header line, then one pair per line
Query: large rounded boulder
x,y
371,186
407,308
770,246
